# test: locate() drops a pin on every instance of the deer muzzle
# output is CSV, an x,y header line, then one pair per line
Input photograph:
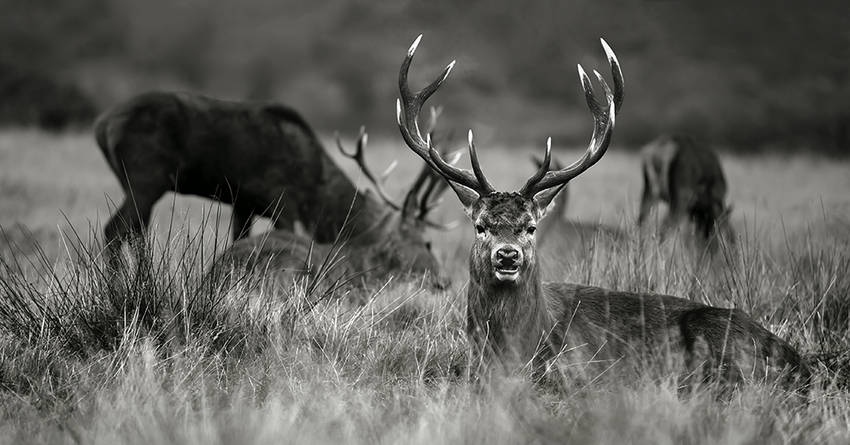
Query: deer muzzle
x,y
506,260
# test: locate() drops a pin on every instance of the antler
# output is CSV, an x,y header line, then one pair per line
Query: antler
x,y
428,180
357,156
408,107
426,176
431,185
603,120
435,188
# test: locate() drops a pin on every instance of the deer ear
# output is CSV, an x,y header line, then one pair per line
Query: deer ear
x,y
544,199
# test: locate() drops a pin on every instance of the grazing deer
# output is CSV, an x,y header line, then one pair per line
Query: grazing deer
x,y
513,317
689,178
262,158
395,246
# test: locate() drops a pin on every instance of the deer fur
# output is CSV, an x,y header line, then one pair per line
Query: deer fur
x,y
514,318
263,158
687,177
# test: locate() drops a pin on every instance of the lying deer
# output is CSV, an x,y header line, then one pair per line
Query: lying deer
x,y
689,178
514,317
262,158
394,247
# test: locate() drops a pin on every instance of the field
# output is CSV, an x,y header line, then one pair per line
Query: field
x,y
242,367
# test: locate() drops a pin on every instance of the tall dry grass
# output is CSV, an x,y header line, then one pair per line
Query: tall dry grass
x,y
165,357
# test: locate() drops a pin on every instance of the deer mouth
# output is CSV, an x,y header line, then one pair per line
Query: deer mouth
x,y
509,273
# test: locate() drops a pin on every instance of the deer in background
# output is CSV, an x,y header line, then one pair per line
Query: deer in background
x,y
515,318
567,237
395,246
689,178
263,158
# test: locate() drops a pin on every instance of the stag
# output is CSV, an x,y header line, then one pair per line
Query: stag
x,y
396,246
689,179
262,158
513,317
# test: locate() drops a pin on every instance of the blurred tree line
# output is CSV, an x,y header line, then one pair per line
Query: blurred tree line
x,y
744,74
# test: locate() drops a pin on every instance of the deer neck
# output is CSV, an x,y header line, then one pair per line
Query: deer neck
x,y
507,319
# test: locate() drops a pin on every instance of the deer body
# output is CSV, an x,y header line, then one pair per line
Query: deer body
x,y
516,319
374,256
585,330
689,178
395,245
262,158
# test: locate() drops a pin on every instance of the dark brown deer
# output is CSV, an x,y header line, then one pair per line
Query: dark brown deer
x,y
394,247
262,158
689,179
513,317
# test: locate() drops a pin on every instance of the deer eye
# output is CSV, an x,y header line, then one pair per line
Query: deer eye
x,y
480,229
531,229
428,245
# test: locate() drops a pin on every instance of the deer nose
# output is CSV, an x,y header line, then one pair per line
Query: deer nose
x,y
507,256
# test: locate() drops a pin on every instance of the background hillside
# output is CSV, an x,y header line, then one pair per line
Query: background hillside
x,y
743,74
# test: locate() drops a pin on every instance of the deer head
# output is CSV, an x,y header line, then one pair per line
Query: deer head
x,y
503,253
403,243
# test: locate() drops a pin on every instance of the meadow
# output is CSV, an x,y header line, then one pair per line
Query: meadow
x,y
180,362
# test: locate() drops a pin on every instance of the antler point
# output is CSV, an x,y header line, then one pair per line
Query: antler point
x,y
581,72
612,112
413,46
448,70
608,51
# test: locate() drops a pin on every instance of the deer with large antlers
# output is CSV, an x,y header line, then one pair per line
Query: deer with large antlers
x,y
263,158
515,318
395,247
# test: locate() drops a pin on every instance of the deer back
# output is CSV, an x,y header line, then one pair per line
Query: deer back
x,y
262,157
679,168
394,250
603,326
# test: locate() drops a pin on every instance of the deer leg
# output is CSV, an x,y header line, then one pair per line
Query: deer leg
x,y
242,222
116,231
646,200
129,223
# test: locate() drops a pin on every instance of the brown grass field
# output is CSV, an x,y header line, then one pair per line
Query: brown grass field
x,y
256,370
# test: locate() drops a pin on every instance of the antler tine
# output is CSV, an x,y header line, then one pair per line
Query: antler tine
x,y
616,74
478,183
602,129
386,173
411,199
476,167
436,187
432,120
408,107
357,156
542,169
